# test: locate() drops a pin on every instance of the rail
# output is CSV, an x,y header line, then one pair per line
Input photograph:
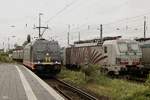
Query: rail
x,y
65,89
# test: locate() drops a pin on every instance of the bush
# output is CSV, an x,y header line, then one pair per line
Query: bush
x,y
5,58
91,72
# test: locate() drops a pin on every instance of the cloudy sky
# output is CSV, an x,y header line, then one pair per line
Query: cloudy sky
x,y
84,16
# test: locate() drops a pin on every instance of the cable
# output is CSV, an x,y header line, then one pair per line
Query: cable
x,y
62,10
59,12
126,19
130,18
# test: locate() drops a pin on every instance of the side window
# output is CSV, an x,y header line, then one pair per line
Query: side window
x,y
105,49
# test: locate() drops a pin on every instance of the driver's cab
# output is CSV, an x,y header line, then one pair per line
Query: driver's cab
x,y
122,52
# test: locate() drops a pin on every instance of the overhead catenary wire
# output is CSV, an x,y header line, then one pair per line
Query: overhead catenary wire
x,y
62,10
124,22
129,18
67,6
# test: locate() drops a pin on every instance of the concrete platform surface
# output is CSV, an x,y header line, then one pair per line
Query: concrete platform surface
x,y
19,83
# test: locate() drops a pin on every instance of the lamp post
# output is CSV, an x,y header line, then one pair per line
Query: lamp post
x,y
12,26
9,40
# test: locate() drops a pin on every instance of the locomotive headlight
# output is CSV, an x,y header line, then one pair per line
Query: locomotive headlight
x,y
47,54
39,62
56,62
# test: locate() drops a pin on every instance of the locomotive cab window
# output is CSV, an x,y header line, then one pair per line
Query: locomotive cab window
x,y
105,49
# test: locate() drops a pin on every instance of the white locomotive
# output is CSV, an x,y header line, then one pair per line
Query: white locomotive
x,y
114,56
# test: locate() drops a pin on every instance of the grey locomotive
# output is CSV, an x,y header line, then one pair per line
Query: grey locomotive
x,y
18,55
145,47
42,56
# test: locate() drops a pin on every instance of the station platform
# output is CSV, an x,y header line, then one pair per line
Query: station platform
x,y
19,83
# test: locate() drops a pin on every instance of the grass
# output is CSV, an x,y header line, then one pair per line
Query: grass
x,y
101,85
77,78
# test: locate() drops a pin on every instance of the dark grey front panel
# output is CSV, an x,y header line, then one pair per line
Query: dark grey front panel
x,y
44,48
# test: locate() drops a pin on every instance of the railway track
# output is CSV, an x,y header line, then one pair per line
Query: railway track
x,y
68,91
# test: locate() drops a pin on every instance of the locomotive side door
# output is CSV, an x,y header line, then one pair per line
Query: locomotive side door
x,y
109,51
